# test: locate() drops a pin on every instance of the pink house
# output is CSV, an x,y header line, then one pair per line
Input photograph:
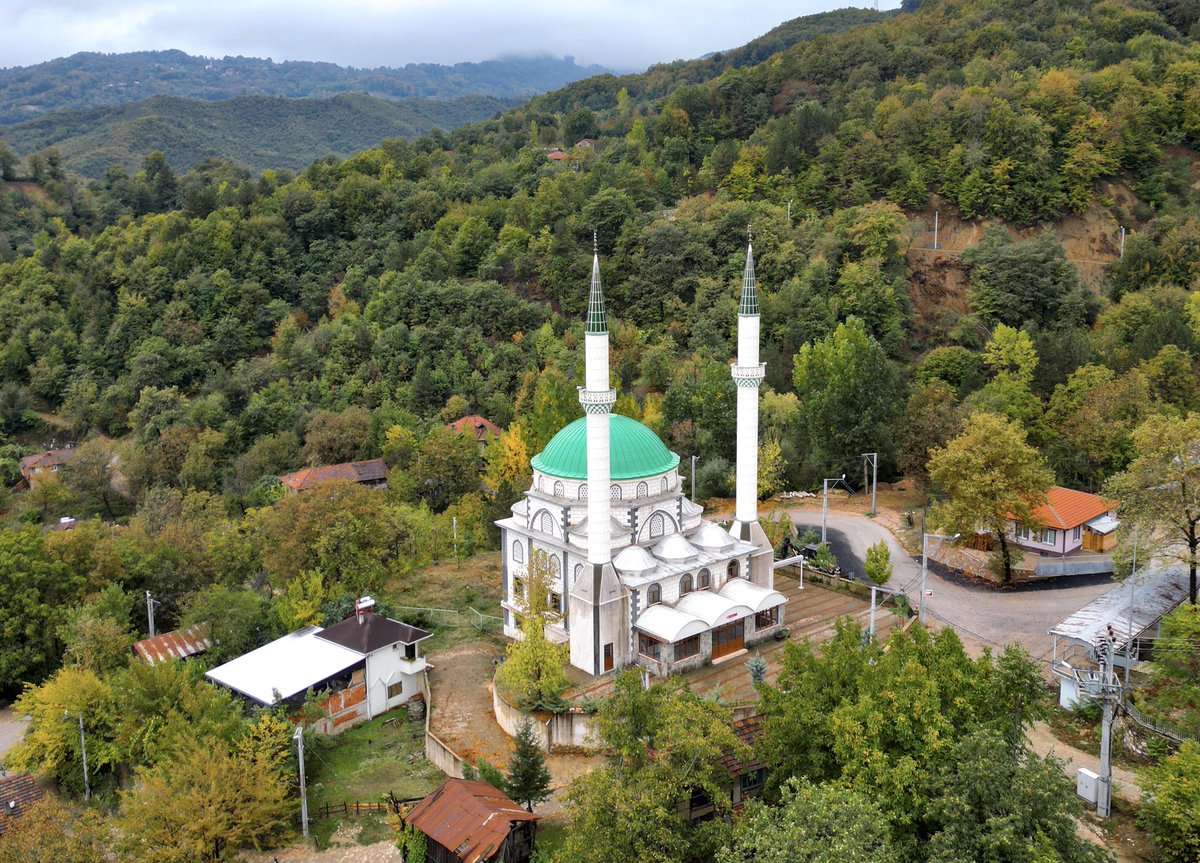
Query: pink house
x,y
1069,521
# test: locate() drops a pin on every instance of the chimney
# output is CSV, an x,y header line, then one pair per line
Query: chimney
x,y
362,606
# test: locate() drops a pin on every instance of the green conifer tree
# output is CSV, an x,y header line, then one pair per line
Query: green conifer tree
x,y
528,779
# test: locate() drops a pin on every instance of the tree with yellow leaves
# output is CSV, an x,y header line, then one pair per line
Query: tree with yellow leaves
x,y
533,667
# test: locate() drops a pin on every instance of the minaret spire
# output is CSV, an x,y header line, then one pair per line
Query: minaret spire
x,y
748,373
597,318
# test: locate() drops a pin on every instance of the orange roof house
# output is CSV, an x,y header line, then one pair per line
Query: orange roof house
x,y
484,430
1069,520
472,822
371,473
35,467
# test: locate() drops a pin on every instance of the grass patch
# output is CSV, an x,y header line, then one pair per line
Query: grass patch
x,y
365,763
474,582
1081,729
551,837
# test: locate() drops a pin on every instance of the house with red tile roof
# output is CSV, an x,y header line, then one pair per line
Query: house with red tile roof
x,y
483,430
1069,521
371,473
35,468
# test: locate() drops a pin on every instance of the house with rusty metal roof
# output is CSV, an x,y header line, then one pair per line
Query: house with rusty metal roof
x,y
371,473
473,822
37,467
176,644
18,794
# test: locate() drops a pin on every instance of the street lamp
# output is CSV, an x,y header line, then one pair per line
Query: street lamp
x,y
87,784
925,567
825,500
873,459
299,738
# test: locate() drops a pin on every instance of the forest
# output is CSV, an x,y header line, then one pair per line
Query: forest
x,y
199,334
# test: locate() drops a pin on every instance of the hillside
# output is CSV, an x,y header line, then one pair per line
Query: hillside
x,y
259,132
89,80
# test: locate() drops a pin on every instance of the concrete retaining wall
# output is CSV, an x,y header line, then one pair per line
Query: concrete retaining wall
x,y
572,731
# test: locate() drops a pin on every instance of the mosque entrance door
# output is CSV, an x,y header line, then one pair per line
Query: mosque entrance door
x,y
728,639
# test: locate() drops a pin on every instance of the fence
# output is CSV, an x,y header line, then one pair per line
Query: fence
x,y
483,621
437,616
328,810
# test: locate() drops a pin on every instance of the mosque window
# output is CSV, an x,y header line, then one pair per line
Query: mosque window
x,y
685,585
643,490
614,492
555,569
583,491
518,555
540,484
735,569
559,490
577,573
665,486
704,579
654,594
547,523
657,523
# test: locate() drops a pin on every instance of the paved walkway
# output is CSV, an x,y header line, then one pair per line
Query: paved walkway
x,y
12,729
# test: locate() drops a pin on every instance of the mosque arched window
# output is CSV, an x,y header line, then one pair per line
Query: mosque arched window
x,y
735,569
583,491
559,490
654,594
555,569
546,525
666,486
614,492
540,484
685,585
578,571
643,490
657,523
704,579
518,554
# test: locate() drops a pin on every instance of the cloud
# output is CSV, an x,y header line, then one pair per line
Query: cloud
x,y
625,34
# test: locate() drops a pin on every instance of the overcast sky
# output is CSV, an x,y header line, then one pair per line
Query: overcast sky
x,y
623,34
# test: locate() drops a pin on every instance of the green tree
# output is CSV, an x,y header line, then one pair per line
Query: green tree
x,y
930,419
848,398
447,467
1170,810
878,564
335,438
533,667
1160,490
89,474
204,804
1020,281
812,824
53,831
991,477
238,620
528,779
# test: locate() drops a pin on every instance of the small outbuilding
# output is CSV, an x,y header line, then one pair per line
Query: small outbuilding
x,y
176,644
372,473
473,822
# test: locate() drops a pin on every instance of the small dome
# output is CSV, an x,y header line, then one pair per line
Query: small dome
x,y
635,452
634,558
711,536
675,548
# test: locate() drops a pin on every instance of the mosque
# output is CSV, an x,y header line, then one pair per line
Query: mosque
x,y
638,575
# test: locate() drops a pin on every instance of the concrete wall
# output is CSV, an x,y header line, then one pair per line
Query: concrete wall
x,y
572,731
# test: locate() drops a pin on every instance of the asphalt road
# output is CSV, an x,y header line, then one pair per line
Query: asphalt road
x,y
12,729
982,614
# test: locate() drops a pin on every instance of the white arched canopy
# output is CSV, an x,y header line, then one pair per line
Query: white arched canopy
x,y
669,624
751,595
713,608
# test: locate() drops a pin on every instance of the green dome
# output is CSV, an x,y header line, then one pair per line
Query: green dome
x,y
634,451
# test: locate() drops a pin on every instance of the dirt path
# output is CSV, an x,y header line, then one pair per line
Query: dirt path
x,y
1043,742
12,729
379,852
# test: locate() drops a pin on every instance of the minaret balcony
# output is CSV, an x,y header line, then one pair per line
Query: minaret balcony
x,y
597,401
748,376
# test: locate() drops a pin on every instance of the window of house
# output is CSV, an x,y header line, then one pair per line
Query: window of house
x,y
654,594
1050,536
685,584
395,690
734,569
614,492
753,781
518,554
555,568
704,579
643,490
687,648
657,524
1077,533
648,646
1021,531
768,618
559,490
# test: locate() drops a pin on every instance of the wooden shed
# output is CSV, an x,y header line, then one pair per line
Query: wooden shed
x,y
472,822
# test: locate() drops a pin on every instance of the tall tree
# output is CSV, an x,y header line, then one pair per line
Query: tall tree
x,y
1160,490
1170,810
990,476
528,778
533,667
53,831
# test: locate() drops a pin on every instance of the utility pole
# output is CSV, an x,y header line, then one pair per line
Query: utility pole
x,y
1122,242
872,629
87,782
1129,642
457,561
695,459
789,216
825,501
299,738
935,229
150,603
1110,692
873,458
